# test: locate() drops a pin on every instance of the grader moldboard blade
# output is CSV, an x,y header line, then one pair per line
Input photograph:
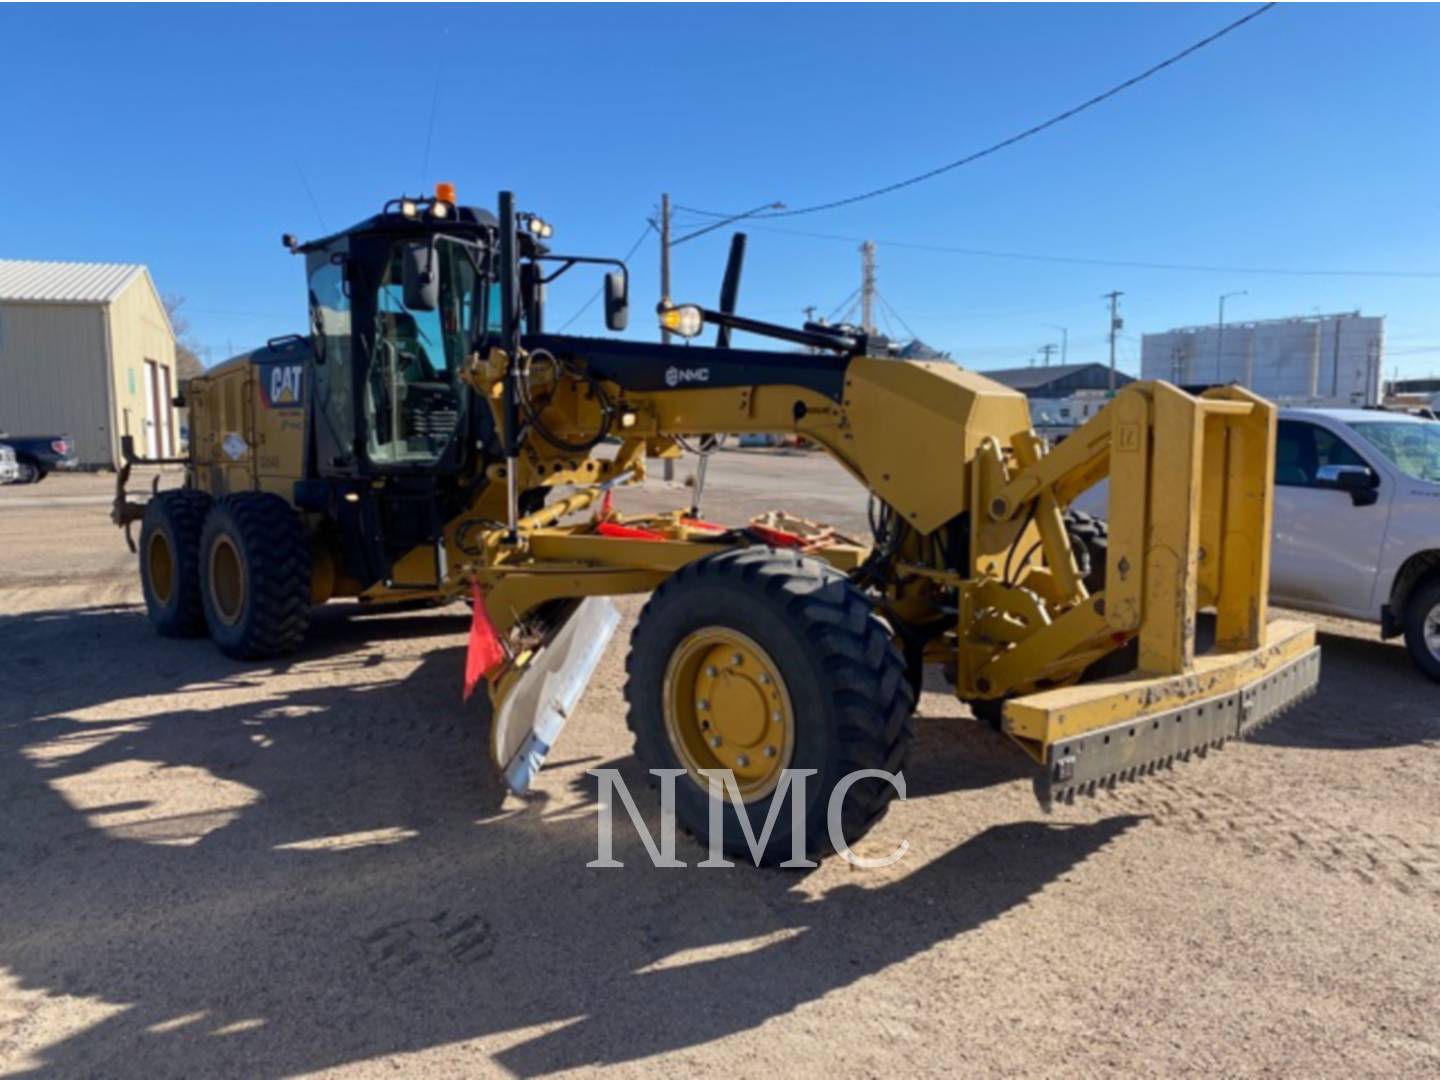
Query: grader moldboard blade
x,y
541,700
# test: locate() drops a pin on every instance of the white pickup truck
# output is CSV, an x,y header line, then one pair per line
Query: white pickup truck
x,y
1357,521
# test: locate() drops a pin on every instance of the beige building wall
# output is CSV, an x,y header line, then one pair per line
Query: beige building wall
x,y
140,332
80,369
54,375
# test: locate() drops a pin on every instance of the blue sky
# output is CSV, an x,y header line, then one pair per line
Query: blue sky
x,y
184,138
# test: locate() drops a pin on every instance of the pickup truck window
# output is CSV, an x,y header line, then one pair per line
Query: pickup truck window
x,y
1414,449
1301,448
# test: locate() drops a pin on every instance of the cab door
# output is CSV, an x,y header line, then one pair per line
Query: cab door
x,y
1328,542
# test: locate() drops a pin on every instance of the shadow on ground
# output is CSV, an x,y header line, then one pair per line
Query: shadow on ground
x,y
232,944
1371,696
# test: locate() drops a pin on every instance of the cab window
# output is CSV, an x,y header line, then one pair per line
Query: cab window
x,y
1301,448
330,336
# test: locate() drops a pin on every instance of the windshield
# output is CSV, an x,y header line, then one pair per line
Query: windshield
x,y
1413,448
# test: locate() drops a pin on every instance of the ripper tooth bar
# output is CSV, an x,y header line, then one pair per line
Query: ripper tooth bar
x,y
1100,759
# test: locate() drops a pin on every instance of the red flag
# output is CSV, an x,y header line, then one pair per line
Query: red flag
x,y
617,531
484,650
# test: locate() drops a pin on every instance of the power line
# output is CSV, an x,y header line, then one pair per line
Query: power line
x,y
891,308
1013,139
889,330
430,125
314,204
840,306
1130,264
589,303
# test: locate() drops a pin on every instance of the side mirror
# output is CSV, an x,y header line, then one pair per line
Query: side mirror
x,y
617,300
1360,481
422,283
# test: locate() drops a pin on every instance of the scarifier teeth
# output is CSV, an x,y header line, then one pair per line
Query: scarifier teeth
x,y
1240,723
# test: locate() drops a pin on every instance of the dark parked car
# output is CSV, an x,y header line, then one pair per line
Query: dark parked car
x,y
38,455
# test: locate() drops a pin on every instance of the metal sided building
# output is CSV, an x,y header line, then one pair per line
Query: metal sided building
x,y
86,349
1334,359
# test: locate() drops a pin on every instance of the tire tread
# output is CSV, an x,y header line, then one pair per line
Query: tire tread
x,y
871,702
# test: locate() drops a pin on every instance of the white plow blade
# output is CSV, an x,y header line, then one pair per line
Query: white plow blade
x,y
536,709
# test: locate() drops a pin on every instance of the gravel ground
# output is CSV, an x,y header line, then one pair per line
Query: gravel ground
x,y
210,868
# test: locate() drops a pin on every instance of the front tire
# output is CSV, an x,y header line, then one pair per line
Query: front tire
x,y
170,562
255,576
756,662
1422,628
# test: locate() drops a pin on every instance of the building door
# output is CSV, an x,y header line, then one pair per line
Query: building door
x,y
167,412
152,430
159,418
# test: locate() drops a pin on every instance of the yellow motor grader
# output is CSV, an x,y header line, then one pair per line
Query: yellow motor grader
x,y
430,438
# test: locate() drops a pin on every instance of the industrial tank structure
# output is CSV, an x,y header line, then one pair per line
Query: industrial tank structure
x,y
1332,359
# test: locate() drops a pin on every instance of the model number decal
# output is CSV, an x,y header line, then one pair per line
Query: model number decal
x,y
675,376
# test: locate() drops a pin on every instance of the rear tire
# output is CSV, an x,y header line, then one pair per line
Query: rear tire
x,y
1422,628
816,653
255,576
1090,540
28,473
170,562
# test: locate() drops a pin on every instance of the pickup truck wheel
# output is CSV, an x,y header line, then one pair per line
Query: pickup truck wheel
x,y
170,562
255,576
1422,628
27,474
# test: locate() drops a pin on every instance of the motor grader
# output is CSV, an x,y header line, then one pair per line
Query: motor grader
x,y
430,438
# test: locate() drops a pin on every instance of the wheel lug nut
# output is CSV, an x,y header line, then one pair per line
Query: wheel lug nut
x,y
742,761
702,704
777,718
737,659
715,740
764,679
710,671
770,751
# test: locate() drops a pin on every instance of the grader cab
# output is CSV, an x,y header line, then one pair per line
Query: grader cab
x,y
430,438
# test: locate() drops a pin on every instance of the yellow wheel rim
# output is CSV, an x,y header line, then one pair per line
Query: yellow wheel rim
x,y
727,707
160,565
227,580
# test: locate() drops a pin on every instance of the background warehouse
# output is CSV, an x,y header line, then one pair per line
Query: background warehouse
x,y
87,349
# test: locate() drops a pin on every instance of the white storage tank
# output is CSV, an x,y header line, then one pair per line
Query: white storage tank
x,y
1332,359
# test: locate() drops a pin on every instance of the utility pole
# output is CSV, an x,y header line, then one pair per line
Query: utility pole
x,y
1048,350
668,469
867,286
1115,324
1064,341
665,257
1220,334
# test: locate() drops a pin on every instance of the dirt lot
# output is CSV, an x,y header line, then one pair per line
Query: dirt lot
x,y
214,868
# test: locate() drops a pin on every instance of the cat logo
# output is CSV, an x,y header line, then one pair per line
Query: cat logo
x,y
283,387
